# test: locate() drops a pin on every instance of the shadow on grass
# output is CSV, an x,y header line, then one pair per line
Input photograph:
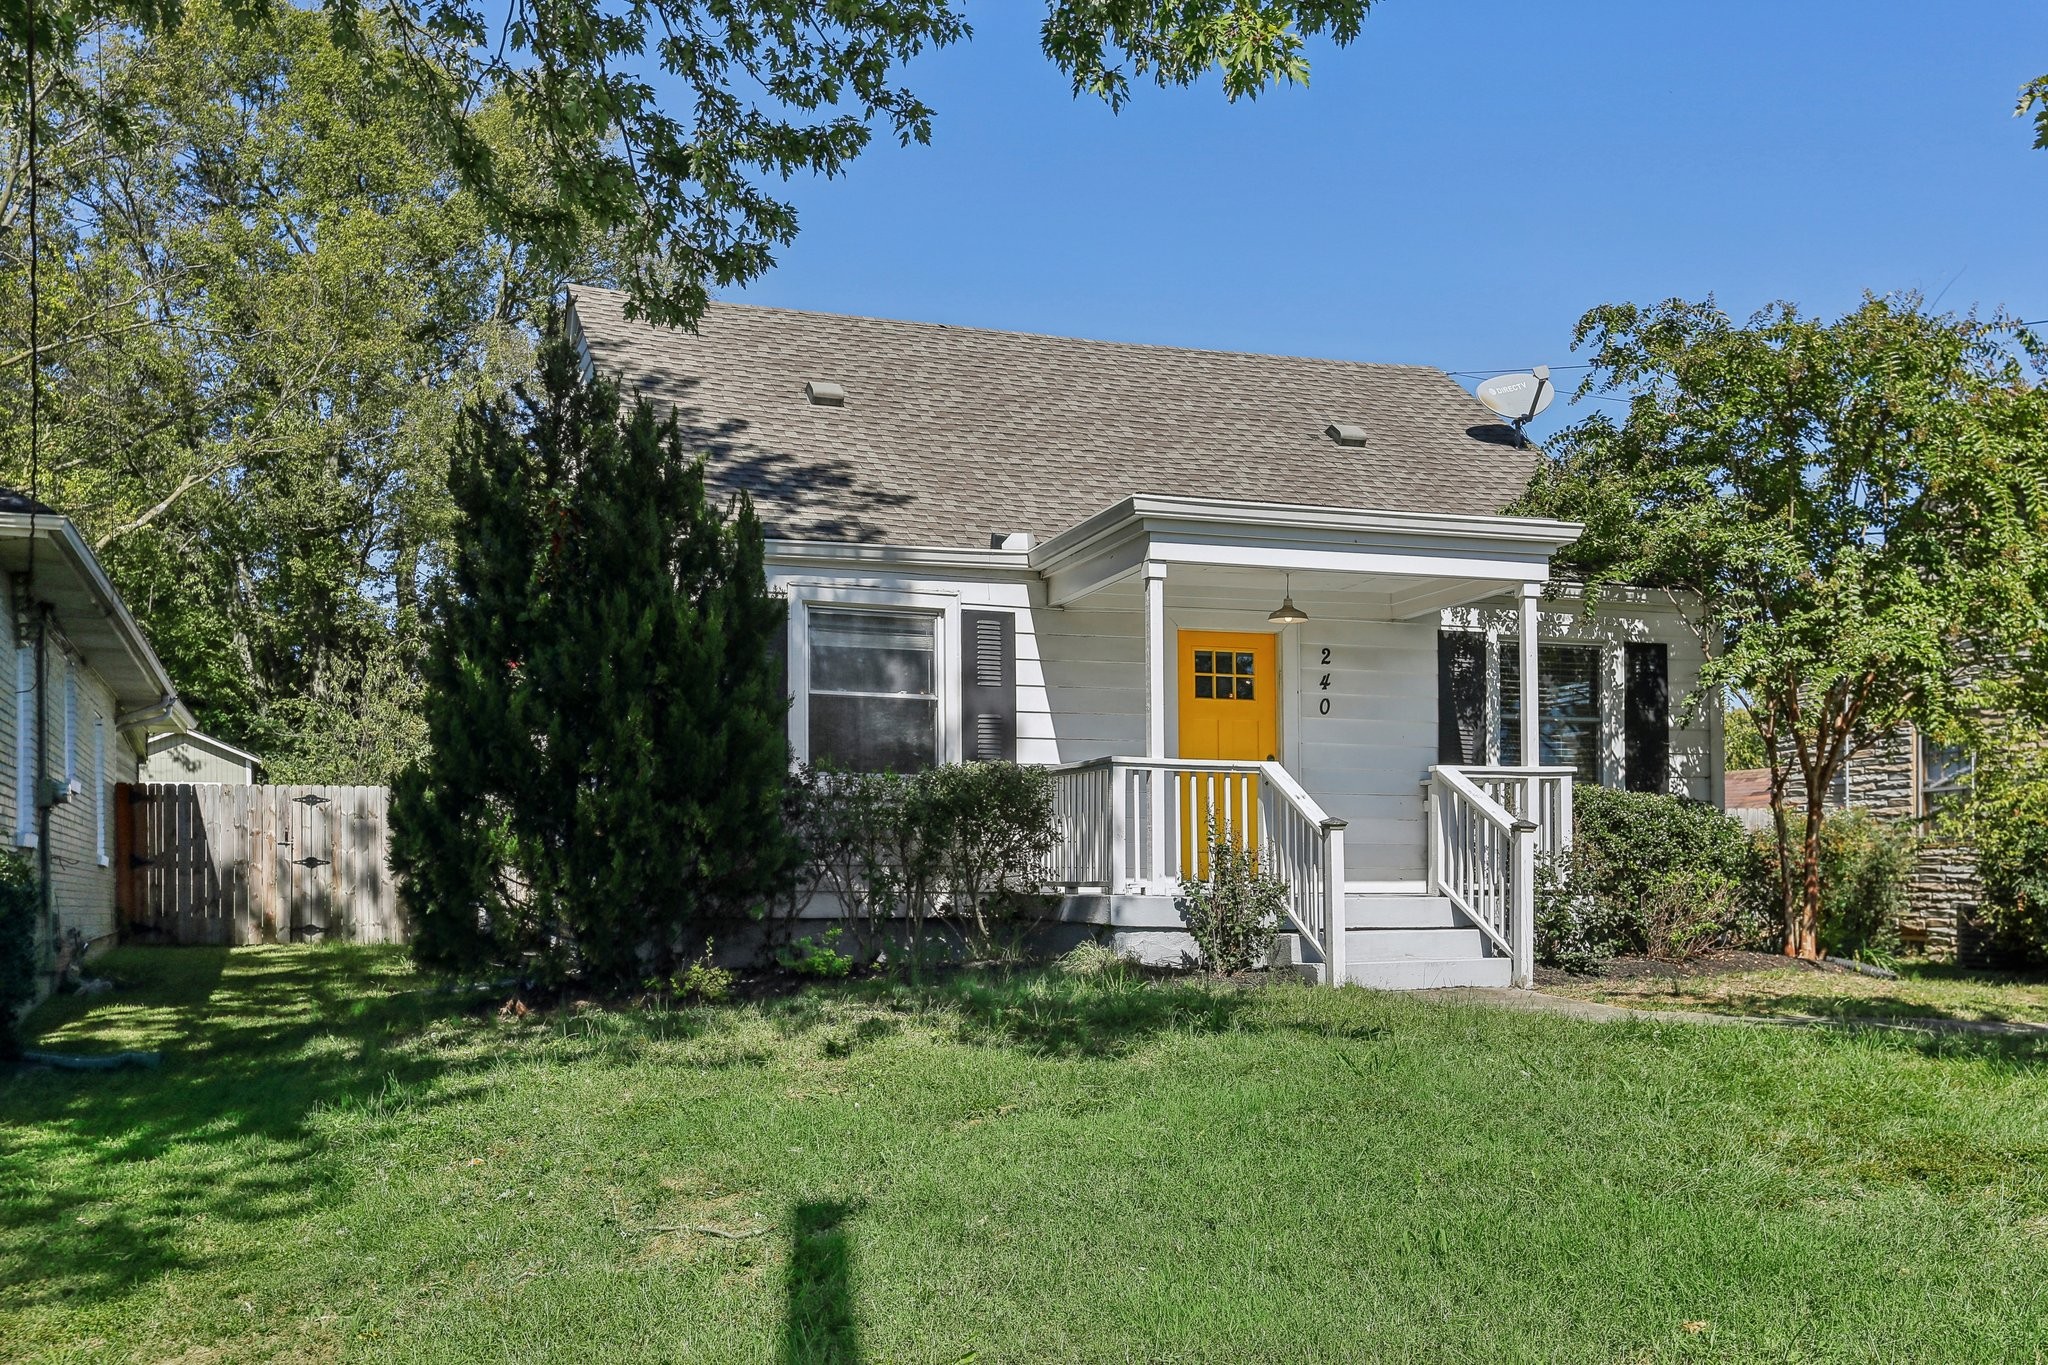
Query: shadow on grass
x,y
1048,1014
253,1041
818,1323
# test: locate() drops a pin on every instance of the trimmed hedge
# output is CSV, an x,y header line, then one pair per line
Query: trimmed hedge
x,y
1649,873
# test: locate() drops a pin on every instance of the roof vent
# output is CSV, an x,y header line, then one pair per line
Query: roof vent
x,y
1010,540
1345,435
824,393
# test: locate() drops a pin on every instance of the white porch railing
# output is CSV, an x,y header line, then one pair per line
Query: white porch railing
x,y
1486,828
1136,826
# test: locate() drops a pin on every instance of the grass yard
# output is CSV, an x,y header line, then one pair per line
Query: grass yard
x,y
336,1163
1923,991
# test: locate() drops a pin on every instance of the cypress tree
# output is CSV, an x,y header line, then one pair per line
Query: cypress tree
x,y
606,720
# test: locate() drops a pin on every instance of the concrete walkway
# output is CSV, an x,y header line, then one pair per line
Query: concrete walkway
x,y
1596,1012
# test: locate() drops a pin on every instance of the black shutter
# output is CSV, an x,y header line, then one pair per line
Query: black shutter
x,y
988,686
1646,716
778,654
1460,697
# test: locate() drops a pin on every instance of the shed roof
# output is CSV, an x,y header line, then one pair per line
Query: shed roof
x,y
949,436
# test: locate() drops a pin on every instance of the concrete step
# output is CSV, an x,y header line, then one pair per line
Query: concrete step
x,y
1426,975
1413,945
1401,912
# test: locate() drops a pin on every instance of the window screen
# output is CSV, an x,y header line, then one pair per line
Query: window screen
x,y
874,690
1567,708
1945,773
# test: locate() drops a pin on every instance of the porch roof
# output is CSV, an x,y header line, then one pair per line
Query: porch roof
x,y
1420,562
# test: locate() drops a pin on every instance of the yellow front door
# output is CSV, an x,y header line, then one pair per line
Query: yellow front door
x,y
1229,697
1229,708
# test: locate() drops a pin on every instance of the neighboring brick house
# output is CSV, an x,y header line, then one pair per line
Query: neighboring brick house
x,y
1903,777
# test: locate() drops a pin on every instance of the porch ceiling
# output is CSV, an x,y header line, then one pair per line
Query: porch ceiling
x,y
1388,596
1412,564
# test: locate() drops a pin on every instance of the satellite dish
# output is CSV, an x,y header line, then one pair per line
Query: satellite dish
x,y
1518,397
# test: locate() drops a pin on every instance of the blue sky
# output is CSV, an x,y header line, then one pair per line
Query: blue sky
x,y
1460,184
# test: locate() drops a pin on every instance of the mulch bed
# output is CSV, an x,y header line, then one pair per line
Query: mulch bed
x,y
1723,962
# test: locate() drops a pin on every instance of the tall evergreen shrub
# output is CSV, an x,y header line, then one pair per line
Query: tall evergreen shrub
x,y
606,719
20,946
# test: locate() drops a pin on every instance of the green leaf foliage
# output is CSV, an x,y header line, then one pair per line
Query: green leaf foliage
x,y
964,842
662,128
2034,103
265,293
1234,910
2005,821
1854,512
1652,874
606,723
20,945
1865,866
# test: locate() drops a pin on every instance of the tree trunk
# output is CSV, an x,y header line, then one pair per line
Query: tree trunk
x,y
1802,929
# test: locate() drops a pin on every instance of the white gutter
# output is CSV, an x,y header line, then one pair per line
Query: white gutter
x,y
63,536
1134,513
839,552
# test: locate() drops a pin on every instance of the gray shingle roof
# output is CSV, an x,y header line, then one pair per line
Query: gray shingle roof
x,y
952,434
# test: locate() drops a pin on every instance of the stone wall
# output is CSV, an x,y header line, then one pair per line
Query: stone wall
x,y
1943,892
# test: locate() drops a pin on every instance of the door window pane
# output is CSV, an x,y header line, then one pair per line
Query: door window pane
x,y
873,698
1223,675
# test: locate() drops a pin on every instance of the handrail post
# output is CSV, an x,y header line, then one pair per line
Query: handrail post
x,y
1333,902
1116,870
1432,802
1522,898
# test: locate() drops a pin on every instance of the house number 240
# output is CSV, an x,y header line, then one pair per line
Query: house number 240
x,y
1323,705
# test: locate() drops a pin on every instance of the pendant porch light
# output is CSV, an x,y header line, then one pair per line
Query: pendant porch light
x,y
1287,614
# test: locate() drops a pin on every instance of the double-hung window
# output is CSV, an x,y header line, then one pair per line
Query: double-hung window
x,y
874,700
1567,707
1945,773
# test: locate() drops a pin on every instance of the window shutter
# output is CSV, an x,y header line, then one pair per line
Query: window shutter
x,y
1646,716
1460,697
988,686
778,653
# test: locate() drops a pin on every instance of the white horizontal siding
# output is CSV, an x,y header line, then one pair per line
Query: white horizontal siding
x,y
1618,619
1081,690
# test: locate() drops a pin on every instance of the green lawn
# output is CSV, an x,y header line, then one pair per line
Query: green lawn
x,y
335,1163
1922,991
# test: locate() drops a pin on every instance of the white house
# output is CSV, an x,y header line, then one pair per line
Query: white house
x,y
88,693
192,756
1270,591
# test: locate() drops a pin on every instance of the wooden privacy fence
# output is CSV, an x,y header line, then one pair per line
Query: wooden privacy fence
x,y
230,864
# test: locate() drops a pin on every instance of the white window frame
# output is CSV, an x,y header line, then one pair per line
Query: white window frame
x,y
102,790
24,745
1925,793
1613,688
942,606
70,723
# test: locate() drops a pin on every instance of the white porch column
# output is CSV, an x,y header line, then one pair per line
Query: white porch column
x,y
1155,660
1158,873
1532,752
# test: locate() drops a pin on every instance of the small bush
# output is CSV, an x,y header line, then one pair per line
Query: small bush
x,y
1649,873
1092,960
1233,914
1864,867
704,982
965,841
20,908
2006,822
819,956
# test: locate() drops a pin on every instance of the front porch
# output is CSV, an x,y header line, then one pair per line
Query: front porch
x,y
1400,870
1130,829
